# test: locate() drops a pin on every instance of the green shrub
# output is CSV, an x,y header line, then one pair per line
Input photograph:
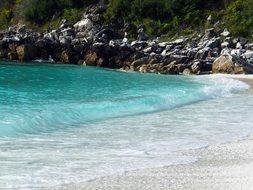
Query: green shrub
x,y
118,9
73,15
5,18
42,11
158,16
239,17
170,15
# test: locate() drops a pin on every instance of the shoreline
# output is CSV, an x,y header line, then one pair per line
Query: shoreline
x,y
248,79
220,167
90,42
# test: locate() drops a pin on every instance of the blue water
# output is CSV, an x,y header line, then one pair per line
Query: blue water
x,y
37,99
66,124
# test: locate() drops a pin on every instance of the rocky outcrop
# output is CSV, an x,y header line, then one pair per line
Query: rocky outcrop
x,y
231,64
91,58
224,64
89,42
28,52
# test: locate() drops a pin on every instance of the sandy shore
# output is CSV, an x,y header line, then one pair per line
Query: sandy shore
x,y
224,167
245,78
221,167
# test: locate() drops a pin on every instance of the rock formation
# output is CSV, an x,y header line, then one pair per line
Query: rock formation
x,y
88,42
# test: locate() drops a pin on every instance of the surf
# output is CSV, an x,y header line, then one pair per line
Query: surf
x,y
48,98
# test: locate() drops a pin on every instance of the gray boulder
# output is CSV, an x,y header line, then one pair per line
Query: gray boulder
x,y
231,64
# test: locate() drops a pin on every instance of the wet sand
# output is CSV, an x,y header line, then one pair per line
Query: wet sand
x,y
245,78
221,167
224,167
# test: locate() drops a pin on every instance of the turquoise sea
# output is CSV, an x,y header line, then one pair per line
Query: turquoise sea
x,y
62,124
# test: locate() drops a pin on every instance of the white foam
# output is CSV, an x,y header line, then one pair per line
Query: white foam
x,y
221,86
122,144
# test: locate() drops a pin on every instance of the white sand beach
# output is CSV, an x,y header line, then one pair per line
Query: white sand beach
x,y
223,167
245,78
219,167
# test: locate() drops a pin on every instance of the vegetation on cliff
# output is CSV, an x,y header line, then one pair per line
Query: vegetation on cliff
x,y
158,16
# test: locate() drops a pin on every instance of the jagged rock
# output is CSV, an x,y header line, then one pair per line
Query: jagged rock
x,y
105,35
65,57
79,48
89,42
225,33
81,62
64,24
21,29
249,46
214,53
172,69
81,35
179,41
181,67
191,53
114,43
65,40
12,46
223,64
12,56
225,45
213,43
106,53
3,49
163,44
68,56
206,66
225,51
157,50
248,54
143,69
231,64
27,52
141,61
202,54
236,52
3,44
139,45
148,50
85,24
239,45
242,66
91,58
44,54
192,44
187,71
100,62
210,33
196,67
180,59
141,35
11,39
52,36
68,32
164,53
243,41
94,17
3,53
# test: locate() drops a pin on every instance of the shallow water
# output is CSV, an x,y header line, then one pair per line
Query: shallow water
x,y
64,124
